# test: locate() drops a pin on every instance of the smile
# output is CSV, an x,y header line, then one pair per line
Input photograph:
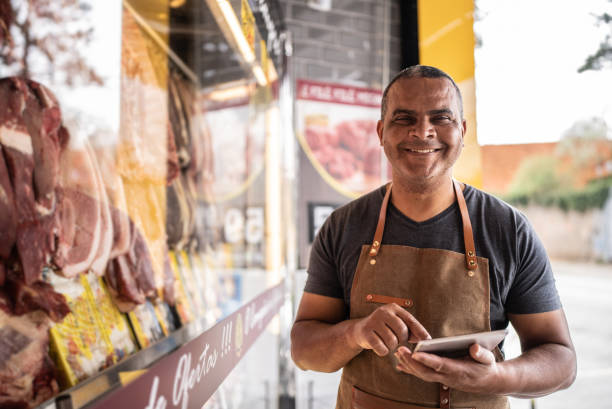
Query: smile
x,y
421,150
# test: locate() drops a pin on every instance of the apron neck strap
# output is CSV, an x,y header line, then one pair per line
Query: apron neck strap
x,y
468,236
380,227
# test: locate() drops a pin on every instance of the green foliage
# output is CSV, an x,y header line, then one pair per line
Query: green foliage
x,y
537,176
592,196
603,56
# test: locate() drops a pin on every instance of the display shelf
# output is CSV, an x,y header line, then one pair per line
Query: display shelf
x,y
107,380
189,355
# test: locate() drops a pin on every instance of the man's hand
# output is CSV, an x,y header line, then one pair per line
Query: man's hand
x,y
387,327
477,373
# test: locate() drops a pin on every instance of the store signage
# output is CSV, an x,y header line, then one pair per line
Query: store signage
x,y
317,214
188,377
338,94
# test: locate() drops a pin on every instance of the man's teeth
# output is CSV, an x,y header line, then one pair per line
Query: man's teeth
x,y
422,150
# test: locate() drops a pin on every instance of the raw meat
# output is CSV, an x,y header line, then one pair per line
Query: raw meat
x,y
30,133
26,372
178,215
179,120
116,198
39,296
8,218
106,236
130,277
80,212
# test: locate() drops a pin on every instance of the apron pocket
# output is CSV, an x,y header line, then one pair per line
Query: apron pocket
x,y
364,400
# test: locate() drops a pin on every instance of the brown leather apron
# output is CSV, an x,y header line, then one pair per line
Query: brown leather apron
x,y
448,292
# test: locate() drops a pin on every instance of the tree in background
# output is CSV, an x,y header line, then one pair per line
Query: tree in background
x,y
603,56
578,176
585,143
45,39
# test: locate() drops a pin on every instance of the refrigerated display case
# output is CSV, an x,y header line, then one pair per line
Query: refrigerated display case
x,y
143,163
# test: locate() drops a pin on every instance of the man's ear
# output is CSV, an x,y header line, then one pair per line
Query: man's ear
x,y
379,131
463,128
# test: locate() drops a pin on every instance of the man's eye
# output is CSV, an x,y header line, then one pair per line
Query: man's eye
x,y
404,119
442,119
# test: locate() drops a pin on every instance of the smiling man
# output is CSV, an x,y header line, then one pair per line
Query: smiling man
x,y
427,256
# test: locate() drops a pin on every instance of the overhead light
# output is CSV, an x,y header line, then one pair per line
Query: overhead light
x,y
321,5
230,93
236,30
259,75
230,25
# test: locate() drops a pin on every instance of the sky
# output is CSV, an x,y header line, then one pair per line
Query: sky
x,y
528,88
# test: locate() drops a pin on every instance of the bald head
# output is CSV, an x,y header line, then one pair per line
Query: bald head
x,y
419,71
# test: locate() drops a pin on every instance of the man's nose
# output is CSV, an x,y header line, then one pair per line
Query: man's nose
x,y
423,129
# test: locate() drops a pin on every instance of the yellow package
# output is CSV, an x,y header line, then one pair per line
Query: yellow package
x,y
145,324
193,284
116,329
183,304
78,343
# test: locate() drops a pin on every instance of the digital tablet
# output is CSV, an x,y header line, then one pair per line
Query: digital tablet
x,y
458,346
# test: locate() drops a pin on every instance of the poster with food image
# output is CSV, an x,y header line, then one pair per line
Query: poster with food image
x,y
237,133
336,128
232,212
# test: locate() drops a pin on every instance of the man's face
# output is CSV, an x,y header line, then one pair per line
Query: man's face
x,y
422,131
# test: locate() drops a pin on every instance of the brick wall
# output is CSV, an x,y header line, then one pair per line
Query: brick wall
x,y
345,44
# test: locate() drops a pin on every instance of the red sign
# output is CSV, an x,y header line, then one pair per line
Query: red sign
x,y
338,94
190,375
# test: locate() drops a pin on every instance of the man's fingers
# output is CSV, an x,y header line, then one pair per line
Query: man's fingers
x,y
387,336
398,327
482,355
378,345
416,329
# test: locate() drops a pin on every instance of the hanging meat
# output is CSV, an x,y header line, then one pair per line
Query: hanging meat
x,y
80,211
178,111
130,277
30,136
106,158
102,256
8,212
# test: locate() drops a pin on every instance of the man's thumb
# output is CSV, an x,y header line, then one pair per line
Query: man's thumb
x,y
481,354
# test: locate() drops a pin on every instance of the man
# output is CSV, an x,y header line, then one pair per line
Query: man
x,y
423,257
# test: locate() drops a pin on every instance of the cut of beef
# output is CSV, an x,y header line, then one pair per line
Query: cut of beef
x,y
26,373
130,277
43,121
106,234
172,162
177,215
179,120
8,217
116,199
80,212
39,296
34,245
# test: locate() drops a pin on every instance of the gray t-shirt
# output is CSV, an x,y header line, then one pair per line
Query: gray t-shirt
x,y
520,274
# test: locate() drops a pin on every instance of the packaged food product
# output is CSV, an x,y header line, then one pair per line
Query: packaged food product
x,y
183,305
165,315
145,324
115,327
193,284
78,343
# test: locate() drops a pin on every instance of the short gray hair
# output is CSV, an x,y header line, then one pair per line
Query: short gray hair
x,y
419,71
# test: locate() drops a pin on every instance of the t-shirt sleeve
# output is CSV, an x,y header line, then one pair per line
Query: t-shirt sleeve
x,y
533,289
322,268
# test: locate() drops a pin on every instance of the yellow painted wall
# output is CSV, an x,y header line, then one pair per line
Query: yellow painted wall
x,y
446,41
